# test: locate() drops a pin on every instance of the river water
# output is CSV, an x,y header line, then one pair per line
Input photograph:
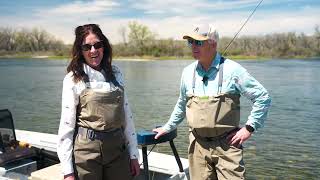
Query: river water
x,y
286,148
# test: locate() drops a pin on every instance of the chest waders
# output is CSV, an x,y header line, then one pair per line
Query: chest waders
x,y
210,120
100,146
214,115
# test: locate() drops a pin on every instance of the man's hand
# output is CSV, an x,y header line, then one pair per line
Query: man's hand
x,y
134,167
238,137
160,131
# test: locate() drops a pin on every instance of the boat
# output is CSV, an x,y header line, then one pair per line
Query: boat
x,y
35,158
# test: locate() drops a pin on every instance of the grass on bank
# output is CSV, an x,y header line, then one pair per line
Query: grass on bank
x,y
43,55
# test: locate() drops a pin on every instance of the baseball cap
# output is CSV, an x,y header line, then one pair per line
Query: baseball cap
x,y
203,32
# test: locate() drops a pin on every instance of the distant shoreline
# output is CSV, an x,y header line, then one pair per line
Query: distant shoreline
x,y
149,58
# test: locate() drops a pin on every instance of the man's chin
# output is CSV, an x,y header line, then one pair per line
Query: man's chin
x,y
195,56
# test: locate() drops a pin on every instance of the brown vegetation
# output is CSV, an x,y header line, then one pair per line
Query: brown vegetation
x,y
142,42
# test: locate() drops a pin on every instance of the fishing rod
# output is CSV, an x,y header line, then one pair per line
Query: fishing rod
x,y
225,50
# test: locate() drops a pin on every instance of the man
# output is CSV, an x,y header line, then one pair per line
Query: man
x,y
209,98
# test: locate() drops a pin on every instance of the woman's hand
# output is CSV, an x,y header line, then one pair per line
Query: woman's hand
x,y
69,177
134,167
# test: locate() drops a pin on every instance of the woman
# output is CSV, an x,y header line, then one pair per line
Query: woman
x,y
96,125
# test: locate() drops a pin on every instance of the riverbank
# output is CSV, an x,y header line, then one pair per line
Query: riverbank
x,y
148,58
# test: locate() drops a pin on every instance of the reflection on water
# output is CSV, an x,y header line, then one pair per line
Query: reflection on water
x,y
286,148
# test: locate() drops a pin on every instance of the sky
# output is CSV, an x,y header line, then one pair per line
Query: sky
x,y
165,18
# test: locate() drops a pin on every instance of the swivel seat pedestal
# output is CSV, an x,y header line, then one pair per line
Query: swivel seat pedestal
x,y
146,138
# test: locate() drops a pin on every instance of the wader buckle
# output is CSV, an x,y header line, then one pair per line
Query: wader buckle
x,y
91,134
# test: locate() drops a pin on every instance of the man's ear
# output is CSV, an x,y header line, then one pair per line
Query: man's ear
x,y
212,43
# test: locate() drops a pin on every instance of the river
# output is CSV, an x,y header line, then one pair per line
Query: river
x,y
286,148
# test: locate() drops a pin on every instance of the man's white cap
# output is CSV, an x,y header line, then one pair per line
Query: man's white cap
x,y
203,32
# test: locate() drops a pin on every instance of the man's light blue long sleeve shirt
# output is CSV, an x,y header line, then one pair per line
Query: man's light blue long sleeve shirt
x,y
236,80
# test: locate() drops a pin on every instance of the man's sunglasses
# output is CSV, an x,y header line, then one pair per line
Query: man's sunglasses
x,y
196,42
87,47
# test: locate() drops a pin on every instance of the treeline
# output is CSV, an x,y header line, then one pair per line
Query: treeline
x,y
139,41
276,45
143,42
30,41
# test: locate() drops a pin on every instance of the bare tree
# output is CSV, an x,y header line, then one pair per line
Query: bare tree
x,y
317,36
123,33
6,39
140,36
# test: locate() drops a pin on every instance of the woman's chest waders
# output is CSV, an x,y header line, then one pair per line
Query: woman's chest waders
x,y
100,150
101,111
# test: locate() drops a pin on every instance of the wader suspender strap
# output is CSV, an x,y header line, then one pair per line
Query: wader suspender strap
x,y
194,79
220,76
115,82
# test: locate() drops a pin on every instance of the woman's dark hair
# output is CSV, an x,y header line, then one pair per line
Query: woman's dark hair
x,y
76,64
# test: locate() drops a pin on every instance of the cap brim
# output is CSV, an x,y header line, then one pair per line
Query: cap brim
x,y
196,37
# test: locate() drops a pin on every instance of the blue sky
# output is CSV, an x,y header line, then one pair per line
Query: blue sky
x,y
166,18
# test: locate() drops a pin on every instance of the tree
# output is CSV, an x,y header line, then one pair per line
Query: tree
x,y
39,39
123,33
140,37
6,39
317,36
25,40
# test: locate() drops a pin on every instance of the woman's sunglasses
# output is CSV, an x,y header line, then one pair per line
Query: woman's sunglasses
x,y
196,42
87,47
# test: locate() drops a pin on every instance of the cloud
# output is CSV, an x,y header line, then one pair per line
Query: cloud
x,y
81,8
190,7
168,25
263,22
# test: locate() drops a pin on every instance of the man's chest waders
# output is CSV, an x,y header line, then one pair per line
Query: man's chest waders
x,y
213,116
210,119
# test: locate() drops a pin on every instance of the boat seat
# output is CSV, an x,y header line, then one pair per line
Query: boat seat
x,y
49,173
146,138
10,151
